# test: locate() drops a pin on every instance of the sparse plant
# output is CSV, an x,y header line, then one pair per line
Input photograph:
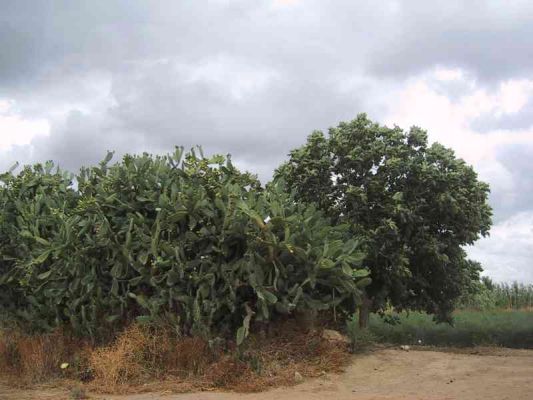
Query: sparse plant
x,y
360,339
78,393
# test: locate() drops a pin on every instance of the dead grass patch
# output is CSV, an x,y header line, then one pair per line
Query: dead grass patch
x,y
140,354
144,359
38,358
289,349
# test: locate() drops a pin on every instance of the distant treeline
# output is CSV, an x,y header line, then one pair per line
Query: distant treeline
x,y
489,294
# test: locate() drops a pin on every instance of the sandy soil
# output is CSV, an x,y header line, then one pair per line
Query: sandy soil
x,y
472,374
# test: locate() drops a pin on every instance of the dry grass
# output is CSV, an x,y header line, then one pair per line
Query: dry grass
x,y
289,349
140,354
143,359
38,358
9,359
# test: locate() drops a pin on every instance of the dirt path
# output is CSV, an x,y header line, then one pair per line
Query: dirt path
x,y
383,375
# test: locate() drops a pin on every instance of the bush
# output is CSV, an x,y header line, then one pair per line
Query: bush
x,y
190,242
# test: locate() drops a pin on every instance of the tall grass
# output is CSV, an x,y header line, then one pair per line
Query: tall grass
x,y
514,296
490,295
471,328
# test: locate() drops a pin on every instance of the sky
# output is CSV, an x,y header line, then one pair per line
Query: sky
x,y
254,78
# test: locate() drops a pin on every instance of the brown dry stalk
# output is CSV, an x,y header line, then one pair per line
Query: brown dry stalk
x,y
144,359
38,358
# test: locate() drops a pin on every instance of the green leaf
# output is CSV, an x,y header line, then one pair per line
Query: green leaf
x,y
135,281
347,270
241,334
326,263
360,273
116,271
41,241
364,282
44,275
267,296
144,319
114,287
42,258
108,157
112,318
142,301
13,167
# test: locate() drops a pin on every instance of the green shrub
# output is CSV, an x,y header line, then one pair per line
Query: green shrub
x,y
33,208
190,242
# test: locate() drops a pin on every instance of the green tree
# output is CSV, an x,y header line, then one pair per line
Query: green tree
x,y
415,204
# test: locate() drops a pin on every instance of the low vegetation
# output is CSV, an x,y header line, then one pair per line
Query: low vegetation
x,y
508,328
142,358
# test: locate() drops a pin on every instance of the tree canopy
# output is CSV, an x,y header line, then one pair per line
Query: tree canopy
x,y
416,205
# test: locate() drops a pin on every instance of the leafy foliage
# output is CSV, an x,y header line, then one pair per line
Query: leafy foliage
x,y
486,295
181,240
416,205
33,207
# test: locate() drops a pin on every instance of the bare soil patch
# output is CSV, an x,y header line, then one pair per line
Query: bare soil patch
x,y
479,373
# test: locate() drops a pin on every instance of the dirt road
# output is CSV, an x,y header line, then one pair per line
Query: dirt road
x,y
485,374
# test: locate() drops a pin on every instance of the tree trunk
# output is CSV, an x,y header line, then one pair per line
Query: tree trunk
x,y
364,312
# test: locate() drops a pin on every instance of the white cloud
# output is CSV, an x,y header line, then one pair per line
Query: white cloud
x,y
448,120
448,74
507,255
239,78
16,130
515,94
285,3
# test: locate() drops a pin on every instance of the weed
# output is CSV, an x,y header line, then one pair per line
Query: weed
x,y
78,393
360,339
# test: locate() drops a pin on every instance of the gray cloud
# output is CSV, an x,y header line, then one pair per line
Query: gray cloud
x,y
489,39
57,54
520,198
522,119
397,38
149,56
247,78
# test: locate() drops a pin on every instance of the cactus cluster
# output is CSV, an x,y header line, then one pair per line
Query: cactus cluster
x,y
179,239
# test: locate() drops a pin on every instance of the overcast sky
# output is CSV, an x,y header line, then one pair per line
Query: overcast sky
x,y
254,78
